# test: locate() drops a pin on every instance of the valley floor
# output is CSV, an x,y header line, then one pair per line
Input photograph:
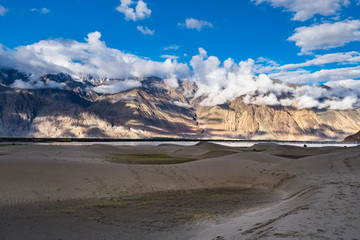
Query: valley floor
x,y
204,191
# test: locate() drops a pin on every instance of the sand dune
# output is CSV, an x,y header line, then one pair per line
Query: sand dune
x,y
266,191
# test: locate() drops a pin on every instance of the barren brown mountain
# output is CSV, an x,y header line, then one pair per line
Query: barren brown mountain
x,y
353,138
156,110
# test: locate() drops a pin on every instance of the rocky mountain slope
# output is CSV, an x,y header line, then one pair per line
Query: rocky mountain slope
x,y
64,107
353,138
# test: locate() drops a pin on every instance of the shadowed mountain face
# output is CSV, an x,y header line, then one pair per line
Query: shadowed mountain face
x,y
64,107
353,138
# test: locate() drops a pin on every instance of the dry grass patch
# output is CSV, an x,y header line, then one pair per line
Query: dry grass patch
x,y
148,159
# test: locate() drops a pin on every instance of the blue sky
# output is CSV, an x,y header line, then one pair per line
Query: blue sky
x,y
241,29
296,41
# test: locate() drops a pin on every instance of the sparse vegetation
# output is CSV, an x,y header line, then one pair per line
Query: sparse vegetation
x,y
205,215
253,150
105,202
148,159
5,145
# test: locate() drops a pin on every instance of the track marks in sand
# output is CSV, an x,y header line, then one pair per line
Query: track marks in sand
x,y
139,181
326,211
298,199
163,172
341,167
179,175
287,177
176,174
347,164
262,228
302,192
196,178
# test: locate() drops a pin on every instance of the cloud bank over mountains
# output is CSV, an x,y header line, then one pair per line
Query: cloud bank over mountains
x,y
218,81
225,81
91,57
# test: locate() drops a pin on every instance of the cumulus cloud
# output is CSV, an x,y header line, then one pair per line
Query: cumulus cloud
x,y
326,35
134,10
321,97
3,11
91,57
172,47
306,9
145,30
40,10
222,82
192,23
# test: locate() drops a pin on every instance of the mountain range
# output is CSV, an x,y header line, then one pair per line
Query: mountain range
x,y
59,105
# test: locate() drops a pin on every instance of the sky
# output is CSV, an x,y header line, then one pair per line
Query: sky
x,y
217,43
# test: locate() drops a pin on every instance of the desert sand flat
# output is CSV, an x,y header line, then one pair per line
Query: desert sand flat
x,y
205,191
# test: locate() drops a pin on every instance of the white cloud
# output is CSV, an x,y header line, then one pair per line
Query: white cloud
x,y
45,10
172,47
326,35
145,30
37,84
181,104
40,10
342,58
347,68
172,82
192,23
348,84
217,82
21,84
173,57
113,87
221,82
306,9
92,57
324,75
135,13
265,65
3,11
